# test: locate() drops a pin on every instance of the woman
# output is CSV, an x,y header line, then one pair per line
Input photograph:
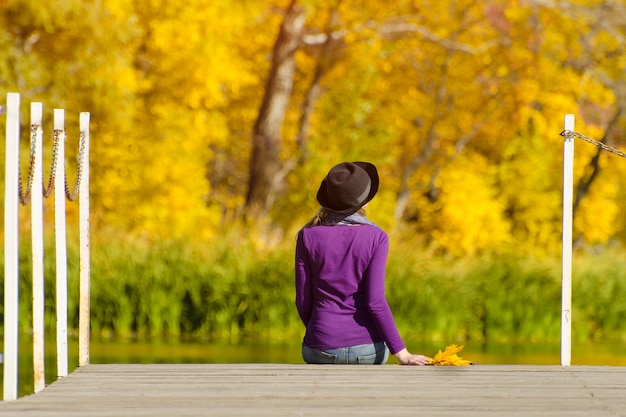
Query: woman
x,y
340,276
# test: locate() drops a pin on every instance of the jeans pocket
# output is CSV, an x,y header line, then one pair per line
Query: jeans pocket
x,y
325,357
315,356
366,359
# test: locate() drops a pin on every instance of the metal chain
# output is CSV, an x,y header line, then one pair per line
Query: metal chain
x,y
569,135
24,196
79,173
58,135
56,139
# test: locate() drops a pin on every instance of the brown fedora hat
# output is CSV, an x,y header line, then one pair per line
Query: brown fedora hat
x,y
348,186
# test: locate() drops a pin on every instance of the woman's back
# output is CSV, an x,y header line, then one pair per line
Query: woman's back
x,y
346,266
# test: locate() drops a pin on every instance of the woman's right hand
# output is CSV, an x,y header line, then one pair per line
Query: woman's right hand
x,y
407,358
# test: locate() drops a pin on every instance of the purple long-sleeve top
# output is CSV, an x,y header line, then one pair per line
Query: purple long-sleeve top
x,y
340,287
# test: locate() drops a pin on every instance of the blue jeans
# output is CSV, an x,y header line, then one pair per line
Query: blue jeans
x,y
370,354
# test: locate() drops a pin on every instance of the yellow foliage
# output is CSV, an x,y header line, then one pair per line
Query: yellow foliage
x,y
469,217
598,213
175,87
449,357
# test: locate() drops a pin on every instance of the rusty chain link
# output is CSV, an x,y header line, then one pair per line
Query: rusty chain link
x,y
570,135
79,171
24,196
56,139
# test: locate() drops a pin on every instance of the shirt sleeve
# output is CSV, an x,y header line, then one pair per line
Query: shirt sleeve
x,y
376,298
303,281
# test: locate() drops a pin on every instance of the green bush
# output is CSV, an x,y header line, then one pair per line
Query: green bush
x,y
233,289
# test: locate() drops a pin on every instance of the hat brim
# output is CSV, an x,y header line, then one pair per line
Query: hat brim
x,y
372,172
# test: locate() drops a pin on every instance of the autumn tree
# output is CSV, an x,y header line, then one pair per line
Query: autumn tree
x,y
265,163
66,56
204,111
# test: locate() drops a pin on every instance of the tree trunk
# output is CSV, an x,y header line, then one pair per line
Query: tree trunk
x,y
592,170
265,161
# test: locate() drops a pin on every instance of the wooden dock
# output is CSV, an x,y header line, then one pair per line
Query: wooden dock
x,y
328,390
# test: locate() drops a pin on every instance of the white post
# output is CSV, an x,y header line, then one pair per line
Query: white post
x,y
566,295
60,232
39,375
11,246
85,256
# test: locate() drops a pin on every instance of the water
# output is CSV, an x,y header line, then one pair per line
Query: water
x,y
197,352
175,351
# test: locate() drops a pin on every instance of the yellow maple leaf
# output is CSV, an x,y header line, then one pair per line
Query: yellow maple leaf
x,y
449,357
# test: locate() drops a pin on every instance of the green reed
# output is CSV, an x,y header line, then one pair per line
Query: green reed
x,y
233,289
479,299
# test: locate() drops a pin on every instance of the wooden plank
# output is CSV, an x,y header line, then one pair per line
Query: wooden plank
x,y
328,390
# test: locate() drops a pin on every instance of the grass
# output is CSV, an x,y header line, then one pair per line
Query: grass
x,y
233,289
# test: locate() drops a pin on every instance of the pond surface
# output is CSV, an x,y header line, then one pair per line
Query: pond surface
x,y
197,352
175,351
